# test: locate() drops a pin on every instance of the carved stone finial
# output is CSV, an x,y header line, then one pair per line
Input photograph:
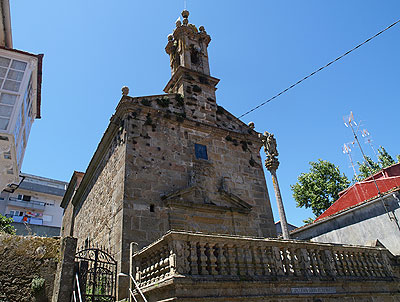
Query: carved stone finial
x,y
202,29
270,146
251,125
185,14
178,22
170,37
125,90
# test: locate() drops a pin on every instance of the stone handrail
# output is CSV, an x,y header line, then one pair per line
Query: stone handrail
x,y
219,256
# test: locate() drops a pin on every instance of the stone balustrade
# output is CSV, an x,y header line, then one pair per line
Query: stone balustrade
x,y
197,255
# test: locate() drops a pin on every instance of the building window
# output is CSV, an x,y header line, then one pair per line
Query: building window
x,y
11,76
24,197
200,151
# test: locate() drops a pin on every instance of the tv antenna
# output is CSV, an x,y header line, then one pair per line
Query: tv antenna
x,y
350,122
368,140
347,150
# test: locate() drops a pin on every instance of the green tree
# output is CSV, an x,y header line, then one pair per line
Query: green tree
x,y
5,225
368,165
320,187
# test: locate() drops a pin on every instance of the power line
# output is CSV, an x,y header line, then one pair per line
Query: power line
x,y
319,69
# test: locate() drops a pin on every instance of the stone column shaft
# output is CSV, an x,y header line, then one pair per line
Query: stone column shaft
x,y
282,215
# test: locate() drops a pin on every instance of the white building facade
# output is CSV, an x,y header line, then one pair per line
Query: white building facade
x,y
20,98
35,205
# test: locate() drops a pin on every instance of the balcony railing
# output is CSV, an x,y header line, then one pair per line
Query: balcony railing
x,y
33,204
25,219
222,257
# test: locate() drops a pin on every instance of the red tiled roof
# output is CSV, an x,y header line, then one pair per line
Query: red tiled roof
x,y
387,179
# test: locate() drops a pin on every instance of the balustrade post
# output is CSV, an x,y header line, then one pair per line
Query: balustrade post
x,y
296,261
320,263
269,262
241,261
249,255
233,267
345,264
386,265
218,254
306,263
338,263
224,258
172,259
212,260
258,261
367,265
329,264
359,265
180,257
194,270
353,263
277,260
285,261
203,259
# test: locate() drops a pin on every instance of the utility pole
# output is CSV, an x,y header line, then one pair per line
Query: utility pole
x,y
272,164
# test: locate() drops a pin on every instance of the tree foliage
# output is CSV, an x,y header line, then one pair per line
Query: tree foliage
x,y
5,225
320,187
368,165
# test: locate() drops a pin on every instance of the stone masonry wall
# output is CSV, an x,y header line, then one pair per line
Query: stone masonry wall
x,y
67,222
161,161
98,217
23,259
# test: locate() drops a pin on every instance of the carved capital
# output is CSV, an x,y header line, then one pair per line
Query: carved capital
x,y
272,163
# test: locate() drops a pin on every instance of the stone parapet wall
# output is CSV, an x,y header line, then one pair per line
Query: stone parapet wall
x,y
245,267
183,290
23,259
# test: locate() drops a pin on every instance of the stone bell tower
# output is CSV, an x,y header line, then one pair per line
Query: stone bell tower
x,y
187,49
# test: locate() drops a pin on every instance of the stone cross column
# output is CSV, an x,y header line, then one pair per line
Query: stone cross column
x,y
272,164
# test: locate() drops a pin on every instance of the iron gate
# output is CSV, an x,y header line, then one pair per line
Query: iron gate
x,y
96,271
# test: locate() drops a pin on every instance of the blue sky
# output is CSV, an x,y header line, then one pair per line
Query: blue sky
x,y
93,48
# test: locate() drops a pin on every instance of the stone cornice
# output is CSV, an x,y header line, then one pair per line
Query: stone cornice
x,y
130,104
179,74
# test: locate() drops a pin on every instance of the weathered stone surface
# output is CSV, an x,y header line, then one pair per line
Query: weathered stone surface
x,y
23,258
64,278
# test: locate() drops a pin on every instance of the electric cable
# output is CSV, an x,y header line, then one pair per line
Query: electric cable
x,y
319,69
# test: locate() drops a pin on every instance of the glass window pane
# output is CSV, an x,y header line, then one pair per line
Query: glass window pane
x,y
15,75
4,62
11,85
3,72
8,99
1,82
3,123
5,110
18,65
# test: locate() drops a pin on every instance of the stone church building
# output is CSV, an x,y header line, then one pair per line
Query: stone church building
x,y
175,164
